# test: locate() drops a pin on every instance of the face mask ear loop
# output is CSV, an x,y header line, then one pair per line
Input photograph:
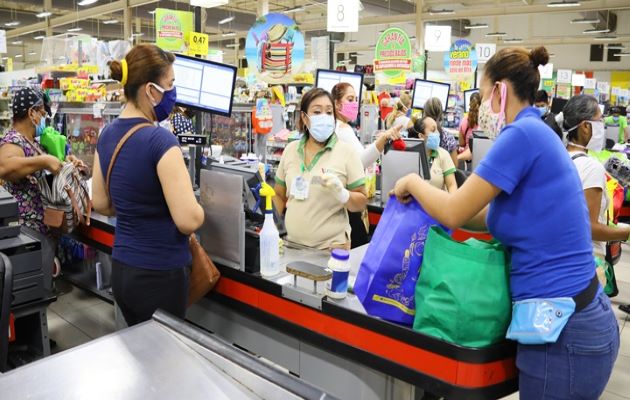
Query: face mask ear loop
x,y
501,119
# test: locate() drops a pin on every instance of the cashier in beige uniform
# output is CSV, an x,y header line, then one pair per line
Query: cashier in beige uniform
x,y
441,162
319,179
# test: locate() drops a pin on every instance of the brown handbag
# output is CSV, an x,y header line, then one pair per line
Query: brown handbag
x,y
204,274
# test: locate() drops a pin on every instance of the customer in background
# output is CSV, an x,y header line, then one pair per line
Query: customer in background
x,y
150,191
181,121
466,128
440,162
399,117
585,131
522,177
347,110
543,105
434,109
319,179
616,119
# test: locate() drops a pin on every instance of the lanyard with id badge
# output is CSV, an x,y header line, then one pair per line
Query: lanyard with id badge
x,y
300,188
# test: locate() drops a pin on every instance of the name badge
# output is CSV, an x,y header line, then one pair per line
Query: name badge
x,y
300,188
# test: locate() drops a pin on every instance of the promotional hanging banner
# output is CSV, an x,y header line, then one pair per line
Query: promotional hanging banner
x,y
275,48
343,15
461,59
393,53
171,25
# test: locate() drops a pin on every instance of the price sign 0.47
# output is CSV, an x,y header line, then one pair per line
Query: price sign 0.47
x,y
198,44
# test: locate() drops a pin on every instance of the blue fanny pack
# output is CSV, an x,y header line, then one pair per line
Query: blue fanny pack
x,y
540,321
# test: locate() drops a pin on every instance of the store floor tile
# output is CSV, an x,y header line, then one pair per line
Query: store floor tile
x,y
71,299
619,383
64,333
95,320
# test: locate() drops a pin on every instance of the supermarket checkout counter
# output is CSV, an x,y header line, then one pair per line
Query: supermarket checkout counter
x,y
332,344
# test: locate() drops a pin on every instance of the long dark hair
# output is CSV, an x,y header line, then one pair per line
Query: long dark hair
x,y
473,113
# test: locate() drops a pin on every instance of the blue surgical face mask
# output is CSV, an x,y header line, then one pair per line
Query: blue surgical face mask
x,y
322,127
433,141
165,107
542,110
39,127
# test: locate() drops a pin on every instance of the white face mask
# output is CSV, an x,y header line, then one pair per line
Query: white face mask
x,y
598,136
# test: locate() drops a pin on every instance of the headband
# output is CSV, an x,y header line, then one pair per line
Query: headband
x,y
125,72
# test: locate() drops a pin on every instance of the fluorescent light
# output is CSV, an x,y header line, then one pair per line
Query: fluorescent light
x,y
152,12
564,3
441,12
229,34
616,47
226,20
552,55
476,26
208,3
335,41
12,23
513,40
77,29
595,31
86,2
44,14
110,22
5,58
40,37
32,53
16,43
585,21
624,54
18,56
295,9
232,45
603,38
137,34
496,34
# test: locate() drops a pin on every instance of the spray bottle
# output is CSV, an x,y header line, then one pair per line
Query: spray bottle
x,y
269,236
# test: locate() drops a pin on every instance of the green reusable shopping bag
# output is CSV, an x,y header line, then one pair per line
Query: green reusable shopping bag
x,y
54,143
463,292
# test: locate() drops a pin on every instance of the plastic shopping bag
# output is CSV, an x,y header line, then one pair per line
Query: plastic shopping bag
x,y
387,277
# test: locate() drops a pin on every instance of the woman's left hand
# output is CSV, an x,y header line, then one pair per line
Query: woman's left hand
x,y
76,162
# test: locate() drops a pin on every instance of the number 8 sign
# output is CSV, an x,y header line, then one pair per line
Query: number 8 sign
x,y
343,15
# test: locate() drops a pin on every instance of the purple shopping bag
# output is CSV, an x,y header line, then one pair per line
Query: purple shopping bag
x,y
386,282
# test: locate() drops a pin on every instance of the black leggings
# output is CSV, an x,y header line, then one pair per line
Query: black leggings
x,y
359,235
139,292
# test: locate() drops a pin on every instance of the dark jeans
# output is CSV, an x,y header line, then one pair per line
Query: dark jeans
x,y
139,292
579,364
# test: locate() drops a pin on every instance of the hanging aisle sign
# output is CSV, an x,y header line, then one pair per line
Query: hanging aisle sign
x,y
393,53
546,71
564,76
461,59
437,37
590,83
343,15
485,51
3,41
171,26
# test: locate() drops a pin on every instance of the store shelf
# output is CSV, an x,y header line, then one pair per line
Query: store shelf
x,y
111,108
272,158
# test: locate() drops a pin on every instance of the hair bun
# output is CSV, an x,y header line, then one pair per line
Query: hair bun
x,y
115,69
539,56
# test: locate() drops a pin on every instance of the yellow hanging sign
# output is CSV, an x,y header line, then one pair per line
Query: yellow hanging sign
x,y
197,44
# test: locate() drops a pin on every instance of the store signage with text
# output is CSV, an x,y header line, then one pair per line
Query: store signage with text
x,y
393,53
578,80
564,76
590,83
197,43
485,51
3,41
437,38
171,26
603,87
461,59
343,15
546,71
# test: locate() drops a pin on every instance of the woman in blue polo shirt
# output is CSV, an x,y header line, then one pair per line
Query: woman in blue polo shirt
x,y
527,193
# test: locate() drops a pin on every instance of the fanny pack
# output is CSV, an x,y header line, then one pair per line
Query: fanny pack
x,y
540,321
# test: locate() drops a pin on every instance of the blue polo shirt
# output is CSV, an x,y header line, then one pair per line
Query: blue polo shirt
x,y
541,214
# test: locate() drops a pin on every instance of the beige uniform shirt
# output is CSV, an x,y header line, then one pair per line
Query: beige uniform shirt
x,y
320,221
441,166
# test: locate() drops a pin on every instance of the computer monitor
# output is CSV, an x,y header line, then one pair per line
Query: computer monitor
x,y
479,147
467,96
423,90
557,105
204,85
327,79
398,164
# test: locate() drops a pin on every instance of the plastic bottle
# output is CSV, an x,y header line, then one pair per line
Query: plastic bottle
x,y
269,237
339,263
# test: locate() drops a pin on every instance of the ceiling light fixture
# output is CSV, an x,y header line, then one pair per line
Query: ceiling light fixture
x,y
585,21
227,20
603,38
32,53
77,29
552,55
616,47
16,43
44,14
595,31
295,9
513,40
624,54
18,56
152,12
496,34
231,46
229,34
476,26
137,34
86,2
40,37
110,22
441,12
12,23
564,3
208,3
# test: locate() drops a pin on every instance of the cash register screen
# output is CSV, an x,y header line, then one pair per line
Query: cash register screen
x,y
424,90
204,85
327,79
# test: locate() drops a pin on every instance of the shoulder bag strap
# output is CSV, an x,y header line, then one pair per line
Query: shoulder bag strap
x,y
119,147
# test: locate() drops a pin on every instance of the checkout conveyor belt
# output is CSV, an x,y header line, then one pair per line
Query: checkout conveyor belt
x,y
164,358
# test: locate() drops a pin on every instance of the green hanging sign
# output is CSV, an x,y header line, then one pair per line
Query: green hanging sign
x,y
393,53
171,29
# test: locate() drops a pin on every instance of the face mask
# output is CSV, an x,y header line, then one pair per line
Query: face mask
x,y
165,107
322,127
350,111
433,141
39,128
598,137
489,121
615,118
542,110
